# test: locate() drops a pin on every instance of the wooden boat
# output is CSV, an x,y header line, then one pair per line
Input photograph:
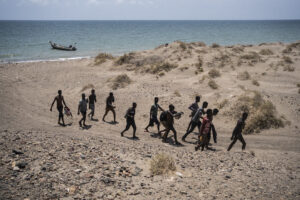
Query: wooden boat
x,y
60,47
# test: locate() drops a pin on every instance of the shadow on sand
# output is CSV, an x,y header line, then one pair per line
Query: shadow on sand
x,y
111,122
87,127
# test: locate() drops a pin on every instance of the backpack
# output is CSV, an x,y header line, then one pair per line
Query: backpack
x,y
163,116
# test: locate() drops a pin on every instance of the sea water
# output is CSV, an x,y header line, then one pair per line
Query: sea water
x,y
29,40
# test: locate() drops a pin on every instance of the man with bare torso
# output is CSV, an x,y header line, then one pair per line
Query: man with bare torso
x,y
60,103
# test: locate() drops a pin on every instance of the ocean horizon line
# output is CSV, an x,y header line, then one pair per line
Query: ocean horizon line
x,y
176,20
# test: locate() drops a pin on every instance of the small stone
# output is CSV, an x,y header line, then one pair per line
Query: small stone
x,y
16,168
78,170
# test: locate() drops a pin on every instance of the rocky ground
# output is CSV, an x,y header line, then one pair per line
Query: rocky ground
x,y
44,165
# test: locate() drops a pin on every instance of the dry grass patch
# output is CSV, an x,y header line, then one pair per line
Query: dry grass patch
x,y
238,49
161,67
244,76
287,59
291,46
223,103
162,164
120,81
125,59
177,93
199,66
102,58
255,82
215,45
262,113
212,84
288,68
88,86
252,57
266,52
214,73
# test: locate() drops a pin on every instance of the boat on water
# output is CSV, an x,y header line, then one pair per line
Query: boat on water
x,y
64,48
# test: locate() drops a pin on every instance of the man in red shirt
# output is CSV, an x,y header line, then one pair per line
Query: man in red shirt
x,y
204,131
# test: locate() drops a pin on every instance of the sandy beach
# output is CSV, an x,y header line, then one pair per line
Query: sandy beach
x,y
42,160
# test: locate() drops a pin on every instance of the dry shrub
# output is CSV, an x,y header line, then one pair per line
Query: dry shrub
x,y
213,73
238,49
102,58
88,86
162,164
287,59
177,93
252,56
182,45
223,103
199,44
183,68
299,91
213,84
161,74
292,46
262,113
156,69
199,66
120,81
149,60
298,84
255,82
244,76
215,45
288,68
125,59
266,52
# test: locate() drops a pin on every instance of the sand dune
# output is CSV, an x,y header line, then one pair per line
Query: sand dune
x,y
68,162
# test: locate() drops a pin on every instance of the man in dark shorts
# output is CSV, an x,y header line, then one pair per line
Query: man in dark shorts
x,y
212,129
237,132
195,122
59,104
168,123
92,100
130,120
153,115
82,108
193,107
110,107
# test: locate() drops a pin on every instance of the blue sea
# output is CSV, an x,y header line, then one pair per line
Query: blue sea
x,y
29,40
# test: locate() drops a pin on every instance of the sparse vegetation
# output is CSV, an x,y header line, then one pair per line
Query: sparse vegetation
x,y
102,58
214,45
182,45
298,84
288,68
255,82
287,59
291,46
238,49
213,84
183,68
262,113
120,81
213,73
244,76
162,164
177,93
223,103
252,57
125,59
199,66
266,52
166,67
88,86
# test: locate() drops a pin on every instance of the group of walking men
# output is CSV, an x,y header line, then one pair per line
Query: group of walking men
x,y
166,118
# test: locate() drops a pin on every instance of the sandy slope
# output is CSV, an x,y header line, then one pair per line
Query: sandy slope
x,y
62,159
